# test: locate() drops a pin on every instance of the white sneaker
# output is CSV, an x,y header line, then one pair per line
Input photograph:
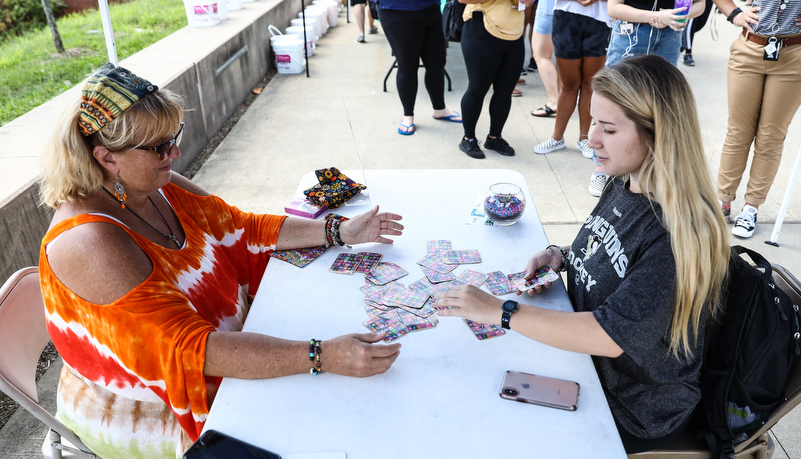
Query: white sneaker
x,y
549,145
745,223
586,151
597,184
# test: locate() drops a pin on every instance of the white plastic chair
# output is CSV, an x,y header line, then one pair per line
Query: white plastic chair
x,y
23,336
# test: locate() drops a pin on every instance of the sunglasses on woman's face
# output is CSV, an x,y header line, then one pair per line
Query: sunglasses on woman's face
x,y
163,150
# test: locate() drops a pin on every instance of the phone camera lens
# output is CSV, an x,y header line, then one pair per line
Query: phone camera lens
x,y
510,391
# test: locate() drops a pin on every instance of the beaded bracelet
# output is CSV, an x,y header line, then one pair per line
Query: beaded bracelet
x,y
315,350
332,236
563,252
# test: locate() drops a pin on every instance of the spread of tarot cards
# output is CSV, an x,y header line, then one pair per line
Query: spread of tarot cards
x,y
399,309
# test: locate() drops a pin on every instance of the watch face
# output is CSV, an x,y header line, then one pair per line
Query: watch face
x,y
509,306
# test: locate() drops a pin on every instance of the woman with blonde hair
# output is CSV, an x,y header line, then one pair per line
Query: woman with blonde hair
x,y
640,306
147,279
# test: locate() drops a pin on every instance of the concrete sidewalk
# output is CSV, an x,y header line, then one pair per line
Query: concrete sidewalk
x,y
299,124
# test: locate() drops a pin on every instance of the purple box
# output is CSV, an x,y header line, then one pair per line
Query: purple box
x,y
304,208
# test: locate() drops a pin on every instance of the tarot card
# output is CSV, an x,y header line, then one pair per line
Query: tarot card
x,y
414,323
459,257
384,272
299,257
498,283
370,288
345,263
369,259
544,274
375,310
406,297
436,277
434,261
513,279
472,277
422,285
440,290
387,323
426,311
484,331
437,246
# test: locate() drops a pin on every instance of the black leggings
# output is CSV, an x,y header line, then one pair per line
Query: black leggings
x,y
415,35
490,62
695,25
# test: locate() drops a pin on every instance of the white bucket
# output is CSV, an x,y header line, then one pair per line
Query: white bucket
x,y
311,39
202,13
234,5
289,54
222,9
333,10
311,21
321,13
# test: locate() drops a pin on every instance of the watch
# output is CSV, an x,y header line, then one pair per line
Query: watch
x,y
509,307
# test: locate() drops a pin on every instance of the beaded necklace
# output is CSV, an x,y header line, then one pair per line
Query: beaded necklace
x,y
170,236
782,7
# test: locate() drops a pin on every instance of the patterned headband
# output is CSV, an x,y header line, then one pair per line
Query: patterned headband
x,y
108,93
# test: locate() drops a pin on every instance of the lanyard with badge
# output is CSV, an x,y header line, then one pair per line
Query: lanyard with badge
x,y
774,44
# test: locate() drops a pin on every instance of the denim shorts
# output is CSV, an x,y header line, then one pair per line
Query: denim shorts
x,y
576,36
543,20
644,39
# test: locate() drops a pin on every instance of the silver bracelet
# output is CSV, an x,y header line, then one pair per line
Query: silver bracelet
x,y
563,252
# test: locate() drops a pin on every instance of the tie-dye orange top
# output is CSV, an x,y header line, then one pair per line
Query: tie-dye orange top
x,y
149,345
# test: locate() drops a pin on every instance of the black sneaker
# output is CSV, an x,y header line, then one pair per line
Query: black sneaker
x,y
471,148
688,60
500,145
532,65
524,71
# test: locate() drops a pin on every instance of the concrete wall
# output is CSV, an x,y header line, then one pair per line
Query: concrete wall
x,y
212,68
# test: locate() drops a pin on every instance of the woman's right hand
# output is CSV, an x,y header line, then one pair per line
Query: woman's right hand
x,y
547,257
357,355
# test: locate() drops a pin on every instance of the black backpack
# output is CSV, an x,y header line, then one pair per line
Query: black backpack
x,y
452,21
748,355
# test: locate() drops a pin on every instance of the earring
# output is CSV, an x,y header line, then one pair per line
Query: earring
x,y
119,191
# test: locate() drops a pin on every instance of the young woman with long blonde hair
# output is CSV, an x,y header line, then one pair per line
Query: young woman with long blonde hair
x,y
647,267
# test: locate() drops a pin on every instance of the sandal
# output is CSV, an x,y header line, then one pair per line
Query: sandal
x,y
548,111
406,129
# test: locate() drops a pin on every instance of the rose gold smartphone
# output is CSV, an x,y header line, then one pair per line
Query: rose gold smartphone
x,y
540,390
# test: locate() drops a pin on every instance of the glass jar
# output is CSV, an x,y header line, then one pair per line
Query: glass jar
x,y
504,203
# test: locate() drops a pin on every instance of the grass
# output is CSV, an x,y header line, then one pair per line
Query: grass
x,y
31,72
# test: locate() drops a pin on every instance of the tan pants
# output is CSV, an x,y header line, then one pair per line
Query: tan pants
x,y
763,98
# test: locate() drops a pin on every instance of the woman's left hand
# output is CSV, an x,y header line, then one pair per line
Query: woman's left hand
x,y
472,303
371,226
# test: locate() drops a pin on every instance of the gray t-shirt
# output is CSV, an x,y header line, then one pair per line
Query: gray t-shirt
x,y
621,267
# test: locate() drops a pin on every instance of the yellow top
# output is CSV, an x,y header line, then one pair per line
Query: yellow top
x,y
500,19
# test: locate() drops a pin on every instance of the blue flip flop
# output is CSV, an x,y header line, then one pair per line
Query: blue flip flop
x,y
409,129
450,118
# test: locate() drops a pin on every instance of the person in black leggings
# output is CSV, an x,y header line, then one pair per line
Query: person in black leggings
x,y
688,35
490,62
414,31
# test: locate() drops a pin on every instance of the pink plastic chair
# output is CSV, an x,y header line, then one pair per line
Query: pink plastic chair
x,y
23,336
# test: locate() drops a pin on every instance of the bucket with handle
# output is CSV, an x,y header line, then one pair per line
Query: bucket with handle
x,y
288,51
311,39
202,13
